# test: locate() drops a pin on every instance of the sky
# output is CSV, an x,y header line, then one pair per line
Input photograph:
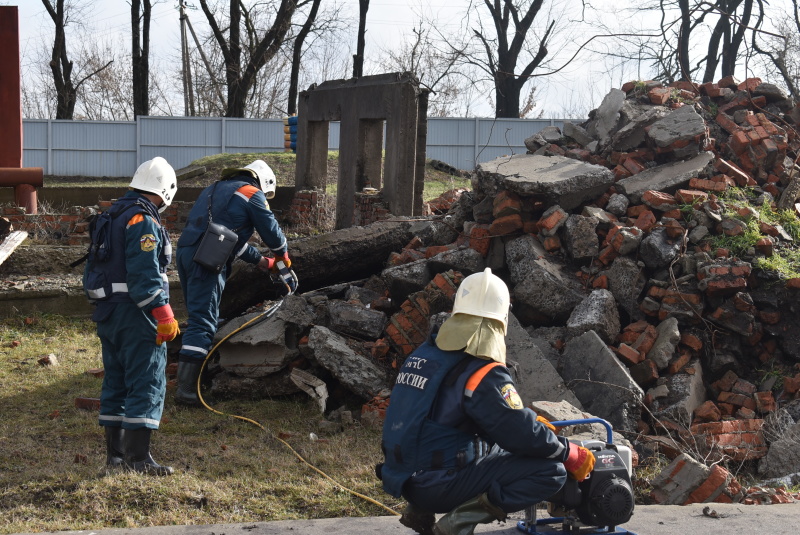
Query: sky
x,y
583,84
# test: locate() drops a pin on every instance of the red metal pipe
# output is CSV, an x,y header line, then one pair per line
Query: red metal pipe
x,y
14,176
25,196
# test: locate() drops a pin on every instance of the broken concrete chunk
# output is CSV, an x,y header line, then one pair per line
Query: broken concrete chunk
x,y
535,376
667,177
358,374
601,382
563,181
256,351
355,320
598,313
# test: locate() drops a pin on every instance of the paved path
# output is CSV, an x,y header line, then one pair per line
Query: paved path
x,y
647,520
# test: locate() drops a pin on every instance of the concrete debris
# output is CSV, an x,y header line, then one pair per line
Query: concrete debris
x,y
639,250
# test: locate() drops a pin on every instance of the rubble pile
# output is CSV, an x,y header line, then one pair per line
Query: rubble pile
x,y
637,249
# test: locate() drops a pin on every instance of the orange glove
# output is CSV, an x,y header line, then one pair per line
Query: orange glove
x,y
282,258
167,328
580,462
547,424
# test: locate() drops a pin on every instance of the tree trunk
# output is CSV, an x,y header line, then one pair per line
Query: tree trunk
x,y
60,65
318,261
683,41
358,59
297,54
507,97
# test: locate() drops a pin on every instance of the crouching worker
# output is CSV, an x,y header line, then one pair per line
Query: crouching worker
x,y
125,277
457,438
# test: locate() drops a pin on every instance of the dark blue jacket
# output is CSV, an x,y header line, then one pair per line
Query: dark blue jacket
x,y
140,253
240,206
447,407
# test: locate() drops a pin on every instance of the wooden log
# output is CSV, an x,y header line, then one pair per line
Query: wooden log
x,y
11,242
340,256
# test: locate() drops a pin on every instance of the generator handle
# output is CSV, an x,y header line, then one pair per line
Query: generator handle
x,y
609,429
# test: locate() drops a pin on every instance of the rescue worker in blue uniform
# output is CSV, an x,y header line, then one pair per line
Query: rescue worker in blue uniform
x,y
457,438
239,202
134,318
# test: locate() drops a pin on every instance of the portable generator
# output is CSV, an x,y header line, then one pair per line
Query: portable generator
x,y
599,503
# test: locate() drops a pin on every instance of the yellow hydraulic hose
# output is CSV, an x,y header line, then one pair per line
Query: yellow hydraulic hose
x,y
268,313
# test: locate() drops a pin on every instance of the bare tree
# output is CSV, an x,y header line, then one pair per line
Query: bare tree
x,y
297,54
241,76
60,64
781,50
107,95
140,55
421,53
505,45
700,40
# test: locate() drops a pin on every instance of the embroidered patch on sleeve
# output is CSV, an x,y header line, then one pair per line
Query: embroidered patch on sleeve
x,y
511,397
147,242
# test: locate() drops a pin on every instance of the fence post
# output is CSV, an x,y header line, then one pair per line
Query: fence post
x,y
224,133
475,144
50,147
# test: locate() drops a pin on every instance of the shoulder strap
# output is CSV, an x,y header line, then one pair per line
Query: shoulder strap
x,y
476,378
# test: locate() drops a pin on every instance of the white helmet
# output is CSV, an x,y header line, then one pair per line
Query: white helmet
x,y
485,295
260,170
158,177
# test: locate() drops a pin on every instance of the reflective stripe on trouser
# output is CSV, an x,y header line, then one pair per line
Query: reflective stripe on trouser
x,y
202,291
513,482
134,383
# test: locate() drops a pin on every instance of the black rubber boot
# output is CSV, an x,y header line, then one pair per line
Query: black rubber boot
x,y
418,519
188,372
137,453
463,519
115,456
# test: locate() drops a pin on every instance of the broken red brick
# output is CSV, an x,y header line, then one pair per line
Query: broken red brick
x,y
629,355
88,404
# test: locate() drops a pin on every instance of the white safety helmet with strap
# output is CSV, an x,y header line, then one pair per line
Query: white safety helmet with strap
x,y
485,295
158,177
260,171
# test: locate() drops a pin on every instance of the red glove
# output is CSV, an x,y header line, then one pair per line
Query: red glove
x,y
266,263
547,424
167,327
580,462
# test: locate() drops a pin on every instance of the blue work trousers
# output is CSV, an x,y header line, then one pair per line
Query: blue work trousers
x,y
202,291
512,483
134,383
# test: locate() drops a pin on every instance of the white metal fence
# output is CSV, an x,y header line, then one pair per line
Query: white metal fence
x,y
116,148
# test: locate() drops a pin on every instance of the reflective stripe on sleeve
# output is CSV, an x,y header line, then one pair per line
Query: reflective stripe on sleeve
x,y
142,304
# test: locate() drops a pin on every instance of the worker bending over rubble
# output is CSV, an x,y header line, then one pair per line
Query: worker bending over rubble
x,y
457,438
125,277
217,231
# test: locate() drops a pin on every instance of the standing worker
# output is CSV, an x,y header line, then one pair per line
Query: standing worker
x,y
226,212
457,438
125,277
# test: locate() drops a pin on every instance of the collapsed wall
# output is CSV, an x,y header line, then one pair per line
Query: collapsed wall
x,y
636,246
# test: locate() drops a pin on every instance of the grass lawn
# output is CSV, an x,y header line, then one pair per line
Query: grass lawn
x,y
282,163
226,470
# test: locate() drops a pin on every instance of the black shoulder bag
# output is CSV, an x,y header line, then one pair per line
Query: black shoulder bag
x,y
216,245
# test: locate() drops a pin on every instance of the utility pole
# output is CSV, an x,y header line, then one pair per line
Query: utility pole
x,y
186,71
208,67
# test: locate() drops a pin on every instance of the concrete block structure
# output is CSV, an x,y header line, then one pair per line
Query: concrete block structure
x,y
363,106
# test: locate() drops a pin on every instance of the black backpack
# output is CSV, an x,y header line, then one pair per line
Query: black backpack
x,y
99,249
